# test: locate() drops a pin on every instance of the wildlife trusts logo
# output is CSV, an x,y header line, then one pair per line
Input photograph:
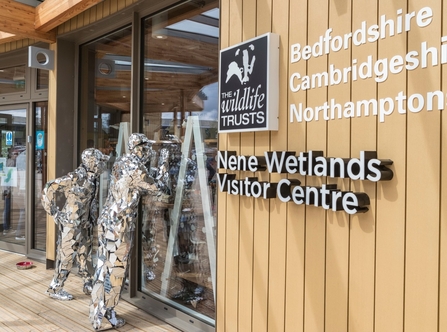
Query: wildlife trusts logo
x,y
245,84
247,65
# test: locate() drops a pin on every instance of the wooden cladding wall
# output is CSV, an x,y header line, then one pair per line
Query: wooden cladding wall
x,y
14,45
288,267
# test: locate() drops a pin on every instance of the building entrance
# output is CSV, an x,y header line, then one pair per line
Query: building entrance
x,y
22,176
13,161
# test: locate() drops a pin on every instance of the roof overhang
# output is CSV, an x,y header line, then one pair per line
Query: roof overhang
x,y
23,19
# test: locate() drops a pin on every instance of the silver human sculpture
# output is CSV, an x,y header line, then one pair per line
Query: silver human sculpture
x,y
116,227
75,221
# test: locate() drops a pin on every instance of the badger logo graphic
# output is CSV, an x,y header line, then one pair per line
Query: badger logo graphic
x,y
242,72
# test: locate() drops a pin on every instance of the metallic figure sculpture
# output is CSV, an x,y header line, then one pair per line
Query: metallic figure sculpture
x,y
116,226
75,221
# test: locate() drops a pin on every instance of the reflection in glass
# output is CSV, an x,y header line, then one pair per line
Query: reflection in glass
x,y
105,81
105,96
105,90
12,79
180,115
40,175
13,175
42,79
179,83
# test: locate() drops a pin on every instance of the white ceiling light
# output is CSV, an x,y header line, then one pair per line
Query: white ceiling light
x,y
159,23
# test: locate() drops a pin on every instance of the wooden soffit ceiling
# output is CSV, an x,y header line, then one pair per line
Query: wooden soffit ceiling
x,y
21,21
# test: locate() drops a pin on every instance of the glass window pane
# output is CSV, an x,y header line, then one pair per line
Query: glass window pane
x,y
42,79
105,94
180,115
40,174
104,104
13,174
12,79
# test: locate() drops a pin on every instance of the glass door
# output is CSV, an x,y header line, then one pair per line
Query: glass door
x,y
13,166
23,166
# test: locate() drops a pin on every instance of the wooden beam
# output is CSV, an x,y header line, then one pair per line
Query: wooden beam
x,y
155,101
154,80
18,19
52,13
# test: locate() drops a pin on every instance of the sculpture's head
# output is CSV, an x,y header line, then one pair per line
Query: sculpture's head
x,y
94,160
140,146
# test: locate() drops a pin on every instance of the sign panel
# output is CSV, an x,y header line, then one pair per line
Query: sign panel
x,y
312,163
9,177
249,85
367,67
40,58
40,140
8,137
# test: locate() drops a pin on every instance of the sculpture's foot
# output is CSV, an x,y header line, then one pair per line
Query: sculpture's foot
x,y
88,287
60,295
113,321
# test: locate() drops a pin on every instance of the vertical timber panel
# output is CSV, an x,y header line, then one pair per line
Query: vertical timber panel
x,y
443,199
364,135
247,203
74,23
121,4
65,28
338,144
390,224
99,11
51,170
233,201
82,20
86,21
106,8
423,159
113,6
92,14
315,259
278,210
294,306
261,226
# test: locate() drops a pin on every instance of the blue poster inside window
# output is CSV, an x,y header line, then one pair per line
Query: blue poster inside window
x,y
40,140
